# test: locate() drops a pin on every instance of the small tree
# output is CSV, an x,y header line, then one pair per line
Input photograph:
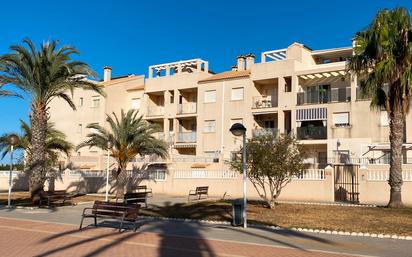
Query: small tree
x,y
131,136
272,162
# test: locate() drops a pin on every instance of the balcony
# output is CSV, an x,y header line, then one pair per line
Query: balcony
x,y
265,132
312,132
186,137
264,102
187,108
325,96
159,135
155,111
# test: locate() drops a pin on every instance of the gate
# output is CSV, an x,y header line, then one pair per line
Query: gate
x,y
346,181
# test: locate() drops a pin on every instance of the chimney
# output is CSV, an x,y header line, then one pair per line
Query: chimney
x,y
107,73
234,68
240,63
250,60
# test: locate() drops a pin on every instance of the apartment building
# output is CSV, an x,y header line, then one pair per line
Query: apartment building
x,y
294,90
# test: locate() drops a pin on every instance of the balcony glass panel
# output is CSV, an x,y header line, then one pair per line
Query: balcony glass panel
x,y
312,132
187,108
265,132
264,102
315,95
155,110
186,137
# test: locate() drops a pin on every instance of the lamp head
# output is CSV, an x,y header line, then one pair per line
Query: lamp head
x,y
109,144
13,139
238,129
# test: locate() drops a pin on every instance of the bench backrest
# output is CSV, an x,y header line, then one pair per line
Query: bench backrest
x,y
202,190
115,209
53,193
139,197
144,187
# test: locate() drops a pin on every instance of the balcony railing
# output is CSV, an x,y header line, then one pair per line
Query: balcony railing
x,y
159,135
264,102
312,132
327,96
187,108
186,137
265,132
155,111
360,95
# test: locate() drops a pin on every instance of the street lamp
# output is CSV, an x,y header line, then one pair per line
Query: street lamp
x,y
109,146
13,140
238,130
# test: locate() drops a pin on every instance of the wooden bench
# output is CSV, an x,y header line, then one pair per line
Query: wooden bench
x,y
112,210
55,196
198,192
136,198
145,189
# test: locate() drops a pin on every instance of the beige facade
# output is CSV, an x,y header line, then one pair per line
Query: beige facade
x,y
293,90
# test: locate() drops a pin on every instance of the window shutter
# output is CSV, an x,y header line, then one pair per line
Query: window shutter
x,y
210,96
341,118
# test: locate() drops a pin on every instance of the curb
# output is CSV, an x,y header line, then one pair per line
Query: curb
x,y
328,204
318,231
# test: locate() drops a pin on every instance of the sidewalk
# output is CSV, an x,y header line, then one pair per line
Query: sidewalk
x,y
26,232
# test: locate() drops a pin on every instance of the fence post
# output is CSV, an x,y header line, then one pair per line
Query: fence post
x,y
329,183
363,184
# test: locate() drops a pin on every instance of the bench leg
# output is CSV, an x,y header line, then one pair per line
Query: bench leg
x,y
121,226
81,223
95,221
135,226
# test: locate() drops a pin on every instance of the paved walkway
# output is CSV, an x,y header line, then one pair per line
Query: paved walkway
x,y
54,232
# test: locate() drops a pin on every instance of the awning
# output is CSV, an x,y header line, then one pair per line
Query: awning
x,y
323,75
311,114
385,147
184,145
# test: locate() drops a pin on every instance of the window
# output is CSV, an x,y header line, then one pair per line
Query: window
x,y
288,84
341,119
95,102
79,128
237,120
172,96
384,118
210,96
158,175
81,101
210,126
237,93
136,102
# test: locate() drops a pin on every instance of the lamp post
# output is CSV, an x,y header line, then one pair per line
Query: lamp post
x,y
238,129
13,140
109,146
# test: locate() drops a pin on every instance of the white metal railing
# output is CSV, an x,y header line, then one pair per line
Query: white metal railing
x,y
88,173
186,137
383,175
155,110
15,173
187,108
312,174
192,159
205,174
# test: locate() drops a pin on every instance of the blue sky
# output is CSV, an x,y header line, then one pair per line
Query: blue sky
x,y
131,35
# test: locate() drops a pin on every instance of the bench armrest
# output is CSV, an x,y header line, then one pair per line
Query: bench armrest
x,y
85,209
192,191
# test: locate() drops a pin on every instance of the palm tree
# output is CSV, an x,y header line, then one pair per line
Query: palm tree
x,y
383,57
56,144
44,74
131,136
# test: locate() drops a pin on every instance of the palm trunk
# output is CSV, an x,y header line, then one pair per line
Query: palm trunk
x,y
395,171
39,127
121,183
